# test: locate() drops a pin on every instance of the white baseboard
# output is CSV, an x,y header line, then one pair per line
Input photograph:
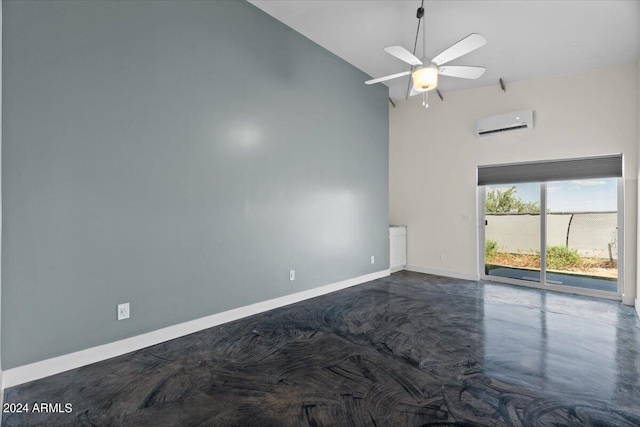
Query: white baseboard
x,y
637,304
396,269
454,274
56,365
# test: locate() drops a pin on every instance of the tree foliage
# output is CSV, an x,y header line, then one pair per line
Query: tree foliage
x,y
506,201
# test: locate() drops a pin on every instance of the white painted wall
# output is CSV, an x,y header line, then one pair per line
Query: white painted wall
x,y
434,154
638,136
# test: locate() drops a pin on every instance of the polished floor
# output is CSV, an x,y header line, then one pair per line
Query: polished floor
x,y
407,350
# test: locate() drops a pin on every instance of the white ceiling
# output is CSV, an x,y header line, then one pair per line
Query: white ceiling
x,y
526,39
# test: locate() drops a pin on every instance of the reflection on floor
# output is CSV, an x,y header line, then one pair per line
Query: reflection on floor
x,y
407,350
573,280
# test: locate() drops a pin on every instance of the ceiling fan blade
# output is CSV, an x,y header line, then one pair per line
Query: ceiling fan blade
x,y
385,78
403,55
461,71
464,46
414,92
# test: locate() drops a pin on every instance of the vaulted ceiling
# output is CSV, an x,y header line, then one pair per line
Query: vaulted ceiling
x,y
526,39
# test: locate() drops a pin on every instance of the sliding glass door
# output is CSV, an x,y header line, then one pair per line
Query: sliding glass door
x,y
576,221
555,224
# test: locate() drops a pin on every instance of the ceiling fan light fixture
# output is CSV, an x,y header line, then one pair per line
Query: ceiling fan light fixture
x,y
425,79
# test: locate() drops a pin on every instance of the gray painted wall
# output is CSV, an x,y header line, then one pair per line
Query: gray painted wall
x,y
180,156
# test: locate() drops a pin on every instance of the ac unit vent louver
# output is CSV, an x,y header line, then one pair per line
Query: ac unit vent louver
x,y
488,132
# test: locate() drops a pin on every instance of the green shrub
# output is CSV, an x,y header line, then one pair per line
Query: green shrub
x,y
490,249
560,257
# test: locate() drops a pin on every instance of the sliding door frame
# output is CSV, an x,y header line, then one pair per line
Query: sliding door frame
x,y
481,197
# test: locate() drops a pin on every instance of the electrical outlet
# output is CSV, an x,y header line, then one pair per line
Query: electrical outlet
x,y
123,311
373,259
292,275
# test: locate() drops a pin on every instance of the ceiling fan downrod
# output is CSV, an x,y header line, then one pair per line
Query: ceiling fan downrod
x,y
419,15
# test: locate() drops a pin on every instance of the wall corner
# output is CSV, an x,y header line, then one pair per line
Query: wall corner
x,y
637,295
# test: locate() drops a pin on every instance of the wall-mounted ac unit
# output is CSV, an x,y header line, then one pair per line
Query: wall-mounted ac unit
x,y
522,119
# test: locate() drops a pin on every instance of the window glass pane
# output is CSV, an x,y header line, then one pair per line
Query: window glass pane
x,y
512,231
582,233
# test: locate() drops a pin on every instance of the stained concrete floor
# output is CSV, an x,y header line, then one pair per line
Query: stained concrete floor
x,y
407,350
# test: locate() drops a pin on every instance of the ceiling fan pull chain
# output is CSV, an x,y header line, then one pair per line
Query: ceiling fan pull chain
x,y
425,99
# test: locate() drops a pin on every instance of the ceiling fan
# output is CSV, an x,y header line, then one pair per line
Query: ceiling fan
x,y
424,72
